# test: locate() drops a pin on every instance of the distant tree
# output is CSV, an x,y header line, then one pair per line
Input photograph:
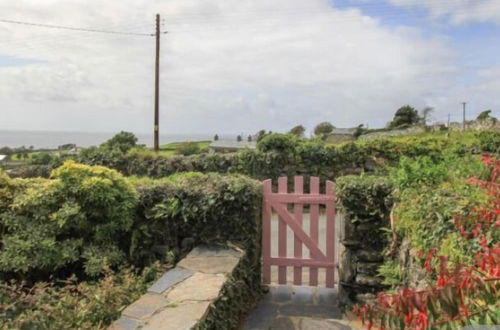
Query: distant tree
x,y
67,146
216,137
425,114
298,130
404,117
260,134
249,138
239,138
6,151
31,147
323,129
123,141
359,130
485,115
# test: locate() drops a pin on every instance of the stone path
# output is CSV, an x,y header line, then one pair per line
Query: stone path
x,y
301,308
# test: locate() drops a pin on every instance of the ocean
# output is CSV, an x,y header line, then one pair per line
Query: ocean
x,y
51,140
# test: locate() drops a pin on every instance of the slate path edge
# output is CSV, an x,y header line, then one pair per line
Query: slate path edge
x,y
299,308
182,296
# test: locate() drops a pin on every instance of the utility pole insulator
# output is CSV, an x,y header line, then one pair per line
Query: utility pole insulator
x,y
157,87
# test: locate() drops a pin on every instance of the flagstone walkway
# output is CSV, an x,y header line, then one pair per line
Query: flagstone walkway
x,y
299,308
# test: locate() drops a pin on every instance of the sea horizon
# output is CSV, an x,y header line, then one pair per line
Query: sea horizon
x,y
53,139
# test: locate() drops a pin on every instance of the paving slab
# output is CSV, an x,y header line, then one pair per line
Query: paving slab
x,y
210,265
125,323
181,317
169,279
214,251
318,324
199,287
146,306
261,317
297,307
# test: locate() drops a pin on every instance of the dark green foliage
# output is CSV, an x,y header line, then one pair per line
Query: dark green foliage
x,y
489,141
404,117
6,151
323,129
365,197
298,131
88,219
104,156
203,208
281,143
188,148
76,219
124,141
485,115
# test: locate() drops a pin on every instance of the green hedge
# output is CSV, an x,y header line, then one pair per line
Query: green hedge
x,y
195,208
286,155
87,220
365,198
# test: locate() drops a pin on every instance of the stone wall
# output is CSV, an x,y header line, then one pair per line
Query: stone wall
x,y
360,259
365,202
185,296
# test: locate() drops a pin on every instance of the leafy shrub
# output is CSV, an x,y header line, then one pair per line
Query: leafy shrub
x,y
373,193
489,141
197,208
72,304
123,141
425,211
464,290
76,219
103,156
391,272
188,148
281,143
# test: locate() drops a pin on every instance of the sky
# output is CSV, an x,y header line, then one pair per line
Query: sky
x,y
232,66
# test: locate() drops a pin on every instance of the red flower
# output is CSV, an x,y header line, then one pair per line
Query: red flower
x,y
421,321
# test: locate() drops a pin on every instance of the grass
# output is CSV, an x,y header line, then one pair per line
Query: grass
x,y
18,157
170,149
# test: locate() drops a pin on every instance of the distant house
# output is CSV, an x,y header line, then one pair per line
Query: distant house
x,y
224,146
341,135
3,159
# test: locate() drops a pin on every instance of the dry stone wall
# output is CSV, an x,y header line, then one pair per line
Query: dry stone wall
x,y
365,202
185,296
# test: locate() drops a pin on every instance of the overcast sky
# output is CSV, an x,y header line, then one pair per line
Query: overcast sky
x,y
232,66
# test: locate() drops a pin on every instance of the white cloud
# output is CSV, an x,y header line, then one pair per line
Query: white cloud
x,y
227,66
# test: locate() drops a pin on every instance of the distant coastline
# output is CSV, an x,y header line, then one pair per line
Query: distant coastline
x,y
51,140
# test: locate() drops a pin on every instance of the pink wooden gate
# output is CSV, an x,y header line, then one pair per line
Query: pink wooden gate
x,y
279,202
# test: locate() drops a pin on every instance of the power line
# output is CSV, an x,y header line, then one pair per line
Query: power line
x,y
60,27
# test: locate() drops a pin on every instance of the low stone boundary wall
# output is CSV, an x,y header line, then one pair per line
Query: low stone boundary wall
x,y
366,202
184,297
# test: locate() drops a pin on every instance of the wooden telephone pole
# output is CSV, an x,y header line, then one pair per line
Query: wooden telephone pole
x,y
157,87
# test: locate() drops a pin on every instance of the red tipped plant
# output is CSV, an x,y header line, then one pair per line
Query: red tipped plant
x,y
462,294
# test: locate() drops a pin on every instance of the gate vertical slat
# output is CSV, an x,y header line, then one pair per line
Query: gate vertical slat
x,y
266,233
298,211
314,228
330,234
282,241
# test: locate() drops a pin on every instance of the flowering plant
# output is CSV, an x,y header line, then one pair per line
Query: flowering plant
x,y
461,294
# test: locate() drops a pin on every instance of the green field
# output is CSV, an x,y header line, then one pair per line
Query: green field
x,y
170,149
